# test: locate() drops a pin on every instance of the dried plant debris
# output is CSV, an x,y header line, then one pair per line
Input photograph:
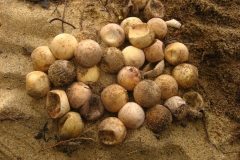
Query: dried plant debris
x,y
44,3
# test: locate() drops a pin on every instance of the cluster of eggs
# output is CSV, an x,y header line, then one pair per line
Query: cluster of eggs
x,y
139,68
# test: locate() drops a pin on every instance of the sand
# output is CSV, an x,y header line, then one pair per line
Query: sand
x,y
210,31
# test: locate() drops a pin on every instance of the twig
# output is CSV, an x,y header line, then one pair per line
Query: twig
x,y
64,9
54,19
105,7
10,118
66,142
205,129
208,139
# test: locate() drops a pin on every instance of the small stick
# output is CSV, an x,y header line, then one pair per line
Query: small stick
x,y
54,19
10,118
66,141
105,7
65,3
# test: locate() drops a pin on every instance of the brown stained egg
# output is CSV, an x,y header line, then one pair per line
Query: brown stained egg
x,y
70,125
185,74
111,131
112,60
63,46
133,56
78,93
129,22
158,118
112,35
154,53
147,93
154,9
93,109
88,53
132,115
141,36
168,86
114,97
128,77
61,72
37,84
42,58
177,107
176,53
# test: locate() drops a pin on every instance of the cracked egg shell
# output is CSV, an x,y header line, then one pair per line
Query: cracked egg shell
x,y
111,131
177,107
129,22
112,35
78,93
57,103
93,109
176,53
140,35
70,125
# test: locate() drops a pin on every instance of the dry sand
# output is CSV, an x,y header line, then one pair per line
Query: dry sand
x,y
211,32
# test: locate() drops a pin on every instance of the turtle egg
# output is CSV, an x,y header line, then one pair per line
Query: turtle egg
x,y
185,74
37,84
114,97
133,56
158,118
147,93
88,53
63,46
168,86
158,26
128,77
132,115
42,58
61,72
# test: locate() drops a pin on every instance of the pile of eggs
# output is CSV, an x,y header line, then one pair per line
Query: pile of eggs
x,y
140,72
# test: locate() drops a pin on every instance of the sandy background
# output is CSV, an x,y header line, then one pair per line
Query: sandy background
x,y
211,32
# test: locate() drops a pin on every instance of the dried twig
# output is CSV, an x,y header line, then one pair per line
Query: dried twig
x,y
65,3
65,142
54,19
10,118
